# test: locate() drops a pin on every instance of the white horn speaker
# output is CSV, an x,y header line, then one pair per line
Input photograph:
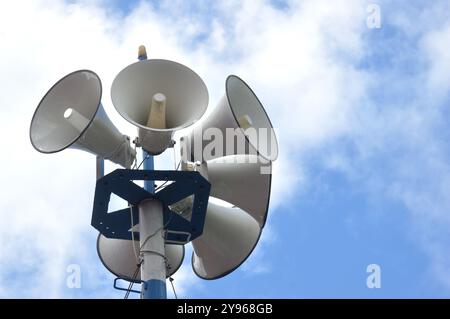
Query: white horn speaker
x,y
243,181
229,236
242,122
159,97
118,257
71,115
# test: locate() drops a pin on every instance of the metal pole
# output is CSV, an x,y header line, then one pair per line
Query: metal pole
x,y
149,164
148,159
100,167
153,267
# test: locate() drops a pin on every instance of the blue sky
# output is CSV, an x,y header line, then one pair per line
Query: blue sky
x,y
362,121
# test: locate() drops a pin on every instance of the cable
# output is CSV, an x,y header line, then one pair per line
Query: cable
x,y
135,157
177,166
165,182
132,233
150,236
130,286
145,158
173,287
154,253
161,186
174,157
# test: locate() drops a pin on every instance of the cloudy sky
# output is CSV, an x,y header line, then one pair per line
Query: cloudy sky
x,y
362,113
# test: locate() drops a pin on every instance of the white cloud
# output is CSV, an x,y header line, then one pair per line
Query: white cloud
x,y
401,141
435,47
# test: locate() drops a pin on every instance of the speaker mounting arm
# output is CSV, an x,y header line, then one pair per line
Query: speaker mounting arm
x,y
118,224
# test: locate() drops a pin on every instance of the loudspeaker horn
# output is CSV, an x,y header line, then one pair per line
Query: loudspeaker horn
x,y
229,237
238,116
159,97
71,115
118,257
242,180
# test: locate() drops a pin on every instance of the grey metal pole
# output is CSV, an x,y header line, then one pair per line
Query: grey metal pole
x,y
151,222
153,268
100,167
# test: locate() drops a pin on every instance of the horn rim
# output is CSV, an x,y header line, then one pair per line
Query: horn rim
x,y
256,243
262,107
90,120
268,197
129,279
226,273
181,263
180,127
